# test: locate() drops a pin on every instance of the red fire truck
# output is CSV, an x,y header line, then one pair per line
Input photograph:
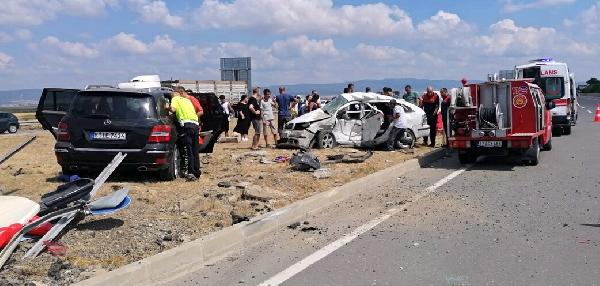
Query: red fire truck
x,y
508,117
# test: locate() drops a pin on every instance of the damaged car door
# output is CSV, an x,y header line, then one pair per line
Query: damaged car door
x,y
348,125
371,122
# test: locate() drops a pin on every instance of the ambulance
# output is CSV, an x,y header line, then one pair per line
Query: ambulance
x,y
558,85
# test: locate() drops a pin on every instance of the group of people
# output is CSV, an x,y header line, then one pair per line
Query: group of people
x,y
258,111
431,103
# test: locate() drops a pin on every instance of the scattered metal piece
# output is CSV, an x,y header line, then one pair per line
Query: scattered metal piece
x,y
16,149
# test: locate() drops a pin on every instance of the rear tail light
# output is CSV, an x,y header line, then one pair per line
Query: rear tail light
x,y
160,134
62,134
424,120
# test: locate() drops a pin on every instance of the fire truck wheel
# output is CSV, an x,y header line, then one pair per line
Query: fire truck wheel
x,y
567,130
548,146
532,156
467,157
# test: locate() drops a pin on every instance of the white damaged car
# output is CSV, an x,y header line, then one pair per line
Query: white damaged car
x,y
354,120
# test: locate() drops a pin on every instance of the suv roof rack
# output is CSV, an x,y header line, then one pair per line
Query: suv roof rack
x,y
91,86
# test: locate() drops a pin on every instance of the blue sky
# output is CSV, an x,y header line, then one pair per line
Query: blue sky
x,y
71,43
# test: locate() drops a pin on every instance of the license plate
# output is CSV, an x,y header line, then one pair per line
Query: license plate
x,y
489,144
108,136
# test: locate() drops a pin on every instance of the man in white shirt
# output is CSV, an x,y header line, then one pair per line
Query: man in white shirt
x,y
228,111
399,125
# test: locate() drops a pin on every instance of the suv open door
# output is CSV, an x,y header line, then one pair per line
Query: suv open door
x,y
53,106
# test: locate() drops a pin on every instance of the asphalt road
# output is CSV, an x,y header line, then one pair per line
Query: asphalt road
x,y
493,223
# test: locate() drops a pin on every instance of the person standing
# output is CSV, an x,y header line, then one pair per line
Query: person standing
x,y
255,117
188,119
285,103
409,95
243,118
350,88
430,102
266,109
228,110
368,89
399,125
313,103
444,108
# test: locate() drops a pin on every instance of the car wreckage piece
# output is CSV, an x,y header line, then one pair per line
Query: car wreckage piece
x,y
68,202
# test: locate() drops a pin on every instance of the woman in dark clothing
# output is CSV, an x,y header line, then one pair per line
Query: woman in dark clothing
x,y
430,102
444,107
243,118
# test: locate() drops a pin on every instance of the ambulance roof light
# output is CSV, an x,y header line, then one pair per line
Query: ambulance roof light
x,y
542,60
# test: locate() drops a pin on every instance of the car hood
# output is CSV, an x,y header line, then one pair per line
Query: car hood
x,y
315,115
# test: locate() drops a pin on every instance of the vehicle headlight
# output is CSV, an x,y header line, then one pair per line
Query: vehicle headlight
x,y
289,126
424,122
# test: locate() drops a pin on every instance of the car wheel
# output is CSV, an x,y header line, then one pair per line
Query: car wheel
x,y
467,157
325,140
173,170
12,128
409,139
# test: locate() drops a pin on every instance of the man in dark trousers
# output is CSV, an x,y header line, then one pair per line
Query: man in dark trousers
x,y
285,103
188,120
430,102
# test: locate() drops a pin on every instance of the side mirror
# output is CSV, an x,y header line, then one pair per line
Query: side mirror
x,y
550,105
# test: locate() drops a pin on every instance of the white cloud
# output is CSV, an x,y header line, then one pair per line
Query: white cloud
x,y
71,48
299,17
591,18
156,12
507,37
5,61
381,53
23,34
442,25
35,12
127,43
510,6
304,47
5,37
87,7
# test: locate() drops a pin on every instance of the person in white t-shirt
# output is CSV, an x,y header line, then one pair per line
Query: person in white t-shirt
x,y
228,111
399,125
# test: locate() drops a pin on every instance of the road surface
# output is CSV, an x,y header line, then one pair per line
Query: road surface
x,y
492,223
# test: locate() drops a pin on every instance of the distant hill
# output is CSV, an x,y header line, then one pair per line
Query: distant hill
x,y
20,97
418,85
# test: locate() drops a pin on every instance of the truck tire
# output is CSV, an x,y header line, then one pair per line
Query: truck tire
x,y
467,157
325,140
173,170
532,156
12,128
548,146
567,130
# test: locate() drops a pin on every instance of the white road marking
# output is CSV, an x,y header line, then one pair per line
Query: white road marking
x,y
328,249
590,112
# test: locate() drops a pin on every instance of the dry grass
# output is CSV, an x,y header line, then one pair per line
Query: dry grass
x,y
23,116
188,209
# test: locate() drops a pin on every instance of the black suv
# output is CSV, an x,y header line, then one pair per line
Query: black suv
x,y
93,125
8,122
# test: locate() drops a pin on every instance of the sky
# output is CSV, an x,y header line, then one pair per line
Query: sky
x,y
71,43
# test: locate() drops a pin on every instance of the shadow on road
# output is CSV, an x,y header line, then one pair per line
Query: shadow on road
x,y
591,224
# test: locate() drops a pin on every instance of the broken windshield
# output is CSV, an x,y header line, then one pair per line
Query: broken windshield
x,y
334,104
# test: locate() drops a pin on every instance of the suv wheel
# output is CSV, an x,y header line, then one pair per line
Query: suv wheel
x,y
173,170
12,128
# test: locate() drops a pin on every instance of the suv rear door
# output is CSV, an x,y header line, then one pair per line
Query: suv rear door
x,y
213,119
53,106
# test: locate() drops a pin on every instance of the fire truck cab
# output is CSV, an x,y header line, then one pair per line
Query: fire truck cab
x,y
500,118
558,85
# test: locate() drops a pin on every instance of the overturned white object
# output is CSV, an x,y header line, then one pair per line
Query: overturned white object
x,y
142,81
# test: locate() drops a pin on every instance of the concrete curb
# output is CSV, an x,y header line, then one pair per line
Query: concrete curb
x,y
192,256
